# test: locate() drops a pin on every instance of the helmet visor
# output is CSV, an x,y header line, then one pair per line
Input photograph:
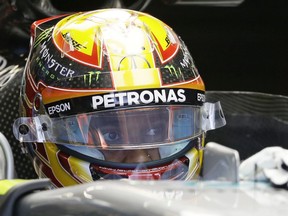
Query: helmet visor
x,y
129,128
137,128
146,127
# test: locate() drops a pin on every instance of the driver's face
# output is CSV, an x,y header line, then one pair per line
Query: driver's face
x,y
129,128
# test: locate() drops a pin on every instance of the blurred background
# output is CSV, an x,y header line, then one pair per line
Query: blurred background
x,y
242,48
238,45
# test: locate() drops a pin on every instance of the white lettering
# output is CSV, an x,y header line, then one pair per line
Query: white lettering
x,y
59,108
70,73
97,100
146,100
201,97
53,64
186,58
181,95
109,100
63,71
136,98
160,96
172,96
133,97
121,96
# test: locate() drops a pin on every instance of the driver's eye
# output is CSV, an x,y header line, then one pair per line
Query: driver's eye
x,y
111,136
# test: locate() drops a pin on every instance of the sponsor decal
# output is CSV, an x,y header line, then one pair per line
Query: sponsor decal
x,y
201,97
52,64
43,36
59,108
173,72
187,59
147,97
167,51
136,98
83,48
88,78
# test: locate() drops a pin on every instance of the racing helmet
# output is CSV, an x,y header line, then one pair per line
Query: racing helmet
x,y
112,94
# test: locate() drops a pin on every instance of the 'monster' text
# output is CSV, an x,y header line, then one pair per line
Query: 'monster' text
x,y
52,64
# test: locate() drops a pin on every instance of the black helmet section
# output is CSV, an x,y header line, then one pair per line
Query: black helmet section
x,y
254,121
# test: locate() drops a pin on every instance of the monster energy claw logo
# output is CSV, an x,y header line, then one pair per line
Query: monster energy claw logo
x,y
173,71
91,76
42,36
